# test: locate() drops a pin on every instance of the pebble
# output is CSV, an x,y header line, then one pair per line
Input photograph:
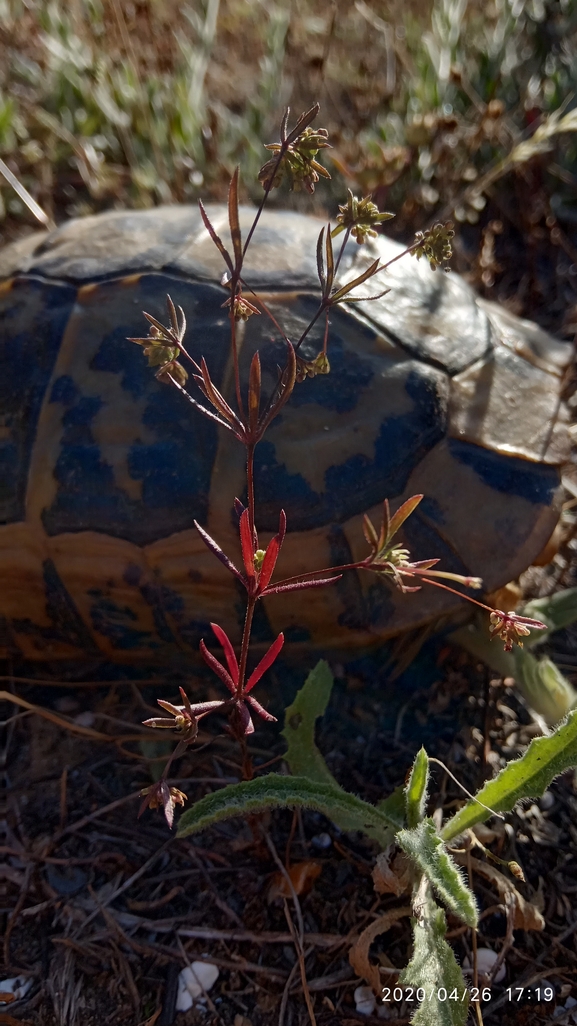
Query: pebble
x,y
486,959
365,1000
321,841
193,982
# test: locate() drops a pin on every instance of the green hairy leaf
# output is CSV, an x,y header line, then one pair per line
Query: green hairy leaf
x,y
426,848
394,807
433,967
302,755
416,793
526,777
278,792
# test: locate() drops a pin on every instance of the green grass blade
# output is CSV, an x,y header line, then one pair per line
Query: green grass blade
x,y
279,792
527,777
426,848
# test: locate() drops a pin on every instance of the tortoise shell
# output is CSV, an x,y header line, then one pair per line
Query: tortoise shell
x,y
104,469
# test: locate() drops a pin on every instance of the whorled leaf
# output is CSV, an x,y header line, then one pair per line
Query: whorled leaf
x,y
527,777
434,968
279,792
416,792
424,846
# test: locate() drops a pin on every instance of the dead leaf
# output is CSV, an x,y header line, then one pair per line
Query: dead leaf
x,y
359,953
302,875
527,915
392,874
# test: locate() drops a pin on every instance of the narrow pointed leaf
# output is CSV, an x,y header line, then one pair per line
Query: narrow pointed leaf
x,y
202,409
275,791
233,221
403,512
266,661
247,544
283,392
215,238
365,299
229,654
167,333
370,533
385,531
416,793
433,969
344,291
254,384
284,124
272,551
527,777
320,262
217,668
330,261
215,396
424,846
303,122
278,589
262,712
216,549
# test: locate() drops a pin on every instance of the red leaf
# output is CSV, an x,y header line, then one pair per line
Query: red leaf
x,y
258,708
278,589
216,549
247,544
230,656
266,661
245,719
217,668
271,554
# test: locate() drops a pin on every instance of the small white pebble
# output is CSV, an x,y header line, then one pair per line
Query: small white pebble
x,y
365,1001
485,961
193,982
321,841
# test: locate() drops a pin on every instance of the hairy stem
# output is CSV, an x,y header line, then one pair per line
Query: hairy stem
x,y
234,347
251,603
250,484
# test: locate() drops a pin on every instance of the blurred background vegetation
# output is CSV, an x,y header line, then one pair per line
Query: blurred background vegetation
x,y
460,109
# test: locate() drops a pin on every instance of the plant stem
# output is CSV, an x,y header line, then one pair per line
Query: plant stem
x,y
233,288
250,484
251,603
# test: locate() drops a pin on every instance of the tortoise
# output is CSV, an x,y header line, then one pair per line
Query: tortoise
x,y
104,469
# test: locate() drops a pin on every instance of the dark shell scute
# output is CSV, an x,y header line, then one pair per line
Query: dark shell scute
x,y
34,315
535,482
